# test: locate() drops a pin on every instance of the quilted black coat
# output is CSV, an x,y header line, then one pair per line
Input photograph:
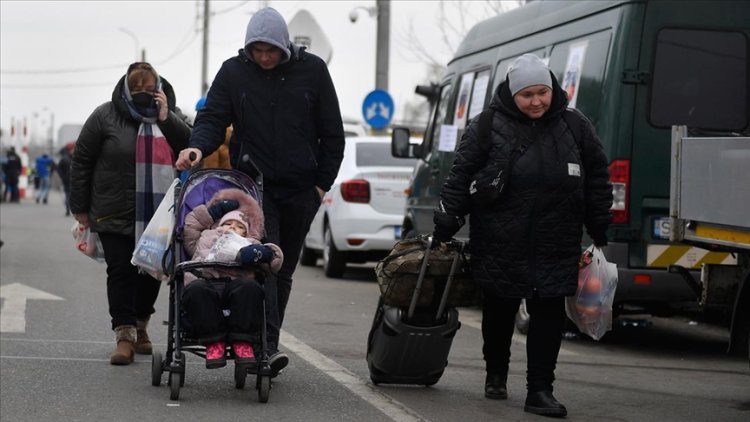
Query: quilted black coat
x,y
103,168
530,241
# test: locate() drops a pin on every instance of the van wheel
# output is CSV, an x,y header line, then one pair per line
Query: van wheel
x,y
308,258
334,262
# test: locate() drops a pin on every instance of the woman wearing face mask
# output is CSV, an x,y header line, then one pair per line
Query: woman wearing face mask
x,y
121,168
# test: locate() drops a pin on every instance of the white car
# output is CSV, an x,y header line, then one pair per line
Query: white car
x,y
354,129
360,217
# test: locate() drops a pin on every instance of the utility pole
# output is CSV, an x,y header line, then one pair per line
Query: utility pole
x,y
383,44
204,67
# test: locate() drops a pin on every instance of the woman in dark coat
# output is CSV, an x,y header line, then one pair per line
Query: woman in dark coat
x,y
122,167
527,245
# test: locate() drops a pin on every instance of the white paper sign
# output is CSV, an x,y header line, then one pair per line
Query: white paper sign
x,y
478,94
462,107
573,69
448,137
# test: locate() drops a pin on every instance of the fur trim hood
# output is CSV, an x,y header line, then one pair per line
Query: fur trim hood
x,y
249,207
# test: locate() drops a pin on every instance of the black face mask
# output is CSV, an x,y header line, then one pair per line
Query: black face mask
x,y
143,99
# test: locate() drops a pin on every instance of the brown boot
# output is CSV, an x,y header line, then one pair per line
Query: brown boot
x,y
123,354
142,342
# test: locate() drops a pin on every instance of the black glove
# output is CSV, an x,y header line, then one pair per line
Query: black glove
x,y
220,208
255,254
446,225
599,236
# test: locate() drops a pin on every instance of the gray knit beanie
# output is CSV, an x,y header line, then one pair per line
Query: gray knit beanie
x,y
268,26
528,70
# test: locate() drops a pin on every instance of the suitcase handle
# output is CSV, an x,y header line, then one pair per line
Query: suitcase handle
x,y
428,240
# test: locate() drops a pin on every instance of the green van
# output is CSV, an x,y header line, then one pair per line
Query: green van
x,y
634,67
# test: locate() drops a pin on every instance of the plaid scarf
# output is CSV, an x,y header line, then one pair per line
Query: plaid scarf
x,y
153,173
153,163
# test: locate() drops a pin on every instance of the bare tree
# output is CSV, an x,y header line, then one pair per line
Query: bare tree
x,y
453,20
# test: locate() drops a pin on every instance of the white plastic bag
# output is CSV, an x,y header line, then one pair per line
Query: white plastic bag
x,y
591,306
226,247
156,237
87,242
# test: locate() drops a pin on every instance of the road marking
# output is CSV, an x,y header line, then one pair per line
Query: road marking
x,y
473,318
394,409
13,310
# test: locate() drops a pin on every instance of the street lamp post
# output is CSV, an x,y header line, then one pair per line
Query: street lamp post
x,y
137,44
383,44
382,11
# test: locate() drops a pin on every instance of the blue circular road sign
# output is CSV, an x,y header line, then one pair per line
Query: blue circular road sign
x,y
377,109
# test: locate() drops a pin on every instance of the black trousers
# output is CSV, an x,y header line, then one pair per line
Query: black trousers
x,y
131,294
542,342
287,223
204,302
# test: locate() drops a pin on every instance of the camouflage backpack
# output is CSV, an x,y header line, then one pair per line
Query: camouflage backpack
x,y
397,275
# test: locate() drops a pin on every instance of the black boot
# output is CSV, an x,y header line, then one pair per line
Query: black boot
x,y
544,403
495,386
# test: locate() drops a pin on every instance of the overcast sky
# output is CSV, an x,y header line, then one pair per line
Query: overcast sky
x,y
63,58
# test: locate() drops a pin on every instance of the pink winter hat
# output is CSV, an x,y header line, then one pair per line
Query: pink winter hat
x,y
237,216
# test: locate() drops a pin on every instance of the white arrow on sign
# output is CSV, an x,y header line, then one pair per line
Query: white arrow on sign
x,y
13,311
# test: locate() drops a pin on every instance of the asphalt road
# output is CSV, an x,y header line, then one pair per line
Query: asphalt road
x,y
57,368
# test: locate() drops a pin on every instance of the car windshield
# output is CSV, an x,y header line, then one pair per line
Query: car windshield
x,y
372,154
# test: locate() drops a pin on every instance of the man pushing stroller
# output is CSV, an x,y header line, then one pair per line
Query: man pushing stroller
x,y
225,303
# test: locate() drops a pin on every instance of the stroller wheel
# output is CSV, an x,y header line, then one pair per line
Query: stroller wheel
x,y
157,367
264,388
240,374
175,378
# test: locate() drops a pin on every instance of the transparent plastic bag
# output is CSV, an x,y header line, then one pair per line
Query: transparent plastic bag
x,y
87,242
591,306
226,247
156,238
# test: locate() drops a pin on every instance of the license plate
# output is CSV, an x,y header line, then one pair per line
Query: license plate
x,y
662,227
397,232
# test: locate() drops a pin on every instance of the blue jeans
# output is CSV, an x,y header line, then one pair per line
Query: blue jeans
x,y
43,192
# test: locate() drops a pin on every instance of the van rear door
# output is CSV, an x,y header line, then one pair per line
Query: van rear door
x,y
689,50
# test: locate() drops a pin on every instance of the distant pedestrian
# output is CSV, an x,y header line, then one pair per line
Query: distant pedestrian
x,y
43,168
12,169
63,170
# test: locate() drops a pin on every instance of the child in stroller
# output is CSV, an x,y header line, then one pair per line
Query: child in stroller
x,y
225,303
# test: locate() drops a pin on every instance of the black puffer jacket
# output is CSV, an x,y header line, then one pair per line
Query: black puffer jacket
x,y
103,168
286,119
532,239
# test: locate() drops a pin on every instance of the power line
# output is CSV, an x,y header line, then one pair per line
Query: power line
x,y
57,71
180,48
229,9
190,37
55,86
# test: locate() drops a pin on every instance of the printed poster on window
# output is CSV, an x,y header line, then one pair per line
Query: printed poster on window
x,y
478,93
462,105
572,76
448,137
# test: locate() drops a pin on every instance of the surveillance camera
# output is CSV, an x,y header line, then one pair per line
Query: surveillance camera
x,y
353,15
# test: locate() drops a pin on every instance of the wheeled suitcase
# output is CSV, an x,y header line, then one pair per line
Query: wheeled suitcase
x,y
411,345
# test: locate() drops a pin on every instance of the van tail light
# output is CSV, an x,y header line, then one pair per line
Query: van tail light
x,y
357,190
619,176
642,279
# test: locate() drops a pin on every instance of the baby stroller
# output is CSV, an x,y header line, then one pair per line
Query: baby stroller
x,y
199,187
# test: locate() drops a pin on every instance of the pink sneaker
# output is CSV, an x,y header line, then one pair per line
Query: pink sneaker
x,y
215,355
243,352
